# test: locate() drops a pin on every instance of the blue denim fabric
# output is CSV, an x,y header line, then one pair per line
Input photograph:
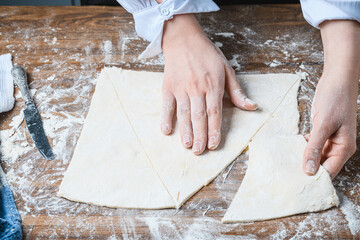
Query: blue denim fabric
x,y
10,222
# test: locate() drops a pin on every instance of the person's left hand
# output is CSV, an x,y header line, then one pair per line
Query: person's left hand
x,y
333,138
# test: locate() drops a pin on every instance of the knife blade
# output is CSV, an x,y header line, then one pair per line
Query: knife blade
x,y
31,114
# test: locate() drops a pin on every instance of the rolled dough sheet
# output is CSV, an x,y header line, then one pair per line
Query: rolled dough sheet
x,y
275,185
122,159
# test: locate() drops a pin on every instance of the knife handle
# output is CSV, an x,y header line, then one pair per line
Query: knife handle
x,y
20,79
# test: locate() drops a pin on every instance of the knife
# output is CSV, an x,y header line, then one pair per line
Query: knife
x,y
31,114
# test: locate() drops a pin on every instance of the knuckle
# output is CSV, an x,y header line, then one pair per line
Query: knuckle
x,y
183,111
325,125
193,87
213,111
313,152
349,148
166,89
166,86
192,75
199,135
198,115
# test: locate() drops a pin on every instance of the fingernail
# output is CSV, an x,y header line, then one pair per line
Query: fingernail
x,y
197,147
249,101
310,167
165,128
187,140
212,142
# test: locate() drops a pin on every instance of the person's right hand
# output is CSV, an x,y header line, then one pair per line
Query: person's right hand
x,y
196,74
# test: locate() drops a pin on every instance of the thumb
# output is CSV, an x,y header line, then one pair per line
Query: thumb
x,y
235,92
313,150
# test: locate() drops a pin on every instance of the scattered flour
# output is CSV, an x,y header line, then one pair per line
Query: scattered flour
x,y
54,40
218,44
352,214
275,63
225,34
107,49
36,191
234,62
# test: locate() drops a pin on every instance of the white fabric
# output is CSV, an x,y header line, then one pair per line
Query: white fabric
x,y
150,16
6,84
317,11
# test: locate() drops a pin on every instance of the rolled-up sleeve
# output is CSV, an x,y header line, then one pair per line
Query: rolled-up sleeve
x,y
317,11
150,17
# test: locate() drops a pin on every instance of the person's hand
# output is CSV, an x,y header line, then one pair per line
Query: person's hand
x,y
332,140
195,76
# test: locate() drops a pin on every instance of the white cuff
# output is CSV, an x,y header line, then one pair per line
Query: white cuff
x,y
317,11
150,17
6,84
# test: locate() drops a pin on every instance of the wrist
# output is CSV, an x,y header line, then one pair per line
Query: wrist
x,y
341,49
178,29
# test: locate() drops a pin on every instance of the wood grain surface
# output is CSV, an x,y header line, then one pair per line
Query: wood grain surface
x,y
64,49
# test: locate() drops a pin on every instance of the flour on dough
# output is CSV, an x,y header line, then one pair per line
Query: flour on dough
x,y
275,185
123,160
109,167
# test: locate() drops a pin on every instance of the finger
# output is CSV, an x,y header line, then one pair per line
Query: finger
x,y
184,118
325,154
236,94
307,137
333,165
339,151
167,113
199,123
313,150
214,113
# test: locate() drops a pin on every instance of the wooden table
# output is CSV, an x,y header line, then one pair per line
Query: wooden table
x,y
64,49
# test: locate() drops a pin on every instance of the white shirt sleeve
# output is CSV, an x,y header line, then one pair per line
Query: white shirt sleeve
x,y
150,16
317,11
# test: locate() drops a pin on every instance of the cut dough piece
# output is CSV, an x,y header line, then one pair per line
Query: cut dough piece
x,y
122,159
275,185
182,172
285,120
109,167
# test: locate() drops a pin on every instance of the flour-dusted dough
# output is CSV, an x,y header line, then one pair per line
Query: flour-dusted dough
x,y
109,167
121,140
275,185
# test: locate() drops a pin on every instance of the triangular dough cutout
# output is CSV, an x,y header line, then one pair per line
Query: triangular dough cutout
x,y
183,173
284,122
109,166
275,185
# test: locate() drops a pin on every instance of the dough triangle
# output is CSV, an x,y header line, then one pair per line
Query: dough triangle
x,y
109,166
182,172
275,185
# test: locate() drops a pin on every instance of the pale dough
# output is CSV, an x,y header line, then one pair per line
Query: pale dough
x,y
122,159
275,185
